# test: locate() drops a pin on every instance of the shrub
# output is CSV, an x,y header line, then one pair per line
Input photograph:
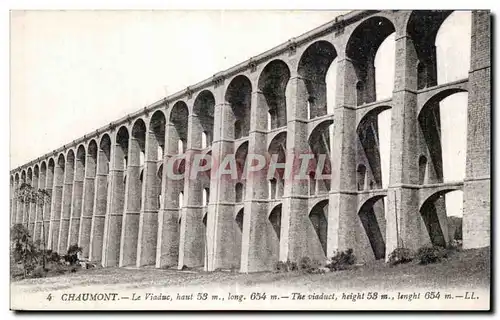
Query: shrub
x,y
285,266
427,255
308,265
39,272
342,260
72,254
400,255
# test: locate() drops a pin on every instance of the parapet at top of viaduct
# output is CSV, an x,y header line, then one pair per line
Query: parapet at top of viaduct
x,y
336,24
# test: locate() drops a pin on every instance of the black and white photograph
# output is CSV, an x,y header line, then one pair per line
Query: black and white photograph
x,y
250,160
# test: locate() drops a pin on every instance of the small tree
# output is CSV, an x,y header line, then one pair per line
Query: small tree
x,y
26,193
23,248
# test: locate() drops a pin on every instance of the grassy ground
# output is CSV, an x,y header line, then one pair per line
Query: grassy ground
x,y
464,269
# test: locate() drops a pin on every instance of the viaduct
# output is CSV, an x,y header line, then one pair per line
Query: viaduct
x,y
111,195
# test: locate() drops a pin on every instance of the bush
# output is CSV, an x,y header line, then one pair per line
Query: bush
x,y
308,265
39,272
400,255
285,266
72,254
342,260
427,255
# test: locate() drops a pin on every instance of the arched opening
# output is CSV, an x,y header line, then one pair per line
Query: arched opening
x,y
203,123
237,129
16,200
238,234
362,49
422,169
135,169
421,76
454,214
361,177
121,156
442,44
159,152
159,177
240,157
47,205
204,141
76,211
179,119
275,219
239,220
277,151
206,197
312,183
238,190
435,217
318,217
272,83
313,67
272,188
360,91
156,141
141,158
59,170
372,152
42,185
239,96
320,144
67,200
27,200
180,202
443,132
373,223
101,191
33,206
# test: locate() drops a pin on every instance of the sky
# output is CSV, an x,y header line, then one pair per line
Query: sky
x,y
75,71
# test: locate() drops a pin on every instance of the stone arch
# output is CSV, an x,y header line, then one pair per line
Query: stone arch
x,y
361,177
320,141
239,219
272,83
80,163
434,220
29,176
104,155
277,151
241,156
157,136
313,67
369,145
422,26
70,155
371,225
319,220
16,203
275,220
239,96
179,120
137,147
422,169
122,141
429,119
203,123
238,191
43,167
361,49
36,170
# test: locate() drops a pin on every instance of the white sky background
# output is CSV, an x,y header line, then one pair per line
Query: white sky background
x,y
73,72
